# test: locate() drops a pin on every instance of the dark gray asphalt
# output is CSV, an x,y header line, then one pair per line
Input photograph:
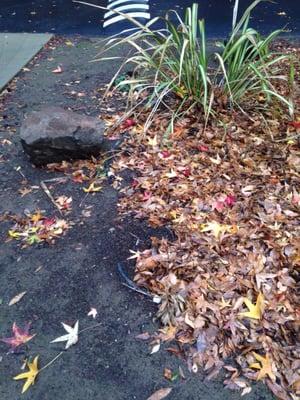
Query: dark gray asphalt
x,y
65,17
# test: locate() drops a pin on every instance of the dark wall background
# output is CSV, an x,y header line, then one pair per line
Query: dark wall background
x,y
64,16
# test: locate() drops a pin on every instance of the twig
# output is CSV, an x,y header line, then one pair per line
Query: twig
x,y
47,191
18,169
288,138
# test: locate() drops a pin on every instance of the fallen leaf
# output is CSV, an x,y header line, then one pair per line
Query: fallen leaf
x,y
93,313
171,174
216,228
155,348
160,394
203,148
223,303
255,311
30,375
20,336
167,374
63,202
92,188
152,141
16,298
58,70
72,336
24,191
143,336
128,123
296,124
264,366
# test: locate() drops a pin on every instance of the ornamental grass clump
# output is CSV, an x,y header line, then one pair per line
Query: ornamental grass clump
x,y
173,69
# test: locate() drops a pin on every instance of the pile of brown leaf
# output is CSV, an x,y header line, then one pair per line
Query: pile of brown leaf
x,y
228,283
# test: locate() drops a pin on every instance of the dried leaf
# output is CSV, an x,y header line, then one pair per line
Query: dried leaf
x,y
155,348
255,311
16,298
160,394
264,366
93,313
57,70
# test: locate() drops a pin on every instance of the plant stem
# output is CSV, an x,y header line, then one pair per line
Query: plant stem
x,y
52,361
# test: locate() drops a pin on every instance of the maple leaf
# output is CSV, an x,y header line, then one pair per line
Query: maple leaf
x,y
295,124
36,217
92,188
63,202
32,239
255,311
230,200
72,336
152,142
24,191
216,228
29,375
223,303
20,336
264,366
93,313
135,254
14,234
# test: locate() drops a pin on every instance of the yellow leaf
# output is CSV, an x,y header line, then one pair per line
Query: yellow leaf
x,y
217,229
264,365
36,217
152,142
29,375
14,234
255,311
92,188
173,214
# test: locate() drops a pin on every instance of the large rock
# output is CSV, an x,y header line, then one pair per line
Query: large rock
x,y
54,134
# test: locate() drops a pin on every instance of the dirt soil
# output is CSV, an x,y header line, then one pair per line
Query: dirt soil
x,y
63,280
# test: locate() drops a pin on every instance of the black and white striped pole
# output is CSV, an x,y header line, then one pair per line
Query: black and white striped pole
x,y
138,9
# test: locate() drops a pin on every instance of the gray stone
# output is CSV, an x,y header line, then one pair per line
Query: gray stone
x,y
54,134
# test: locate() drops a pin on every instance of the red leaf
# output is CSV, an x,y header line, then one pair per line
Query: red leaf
x,y
295,124
49,221
147,195
230,200
128,123
20,336
187,172
165,153
203,148
134,183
